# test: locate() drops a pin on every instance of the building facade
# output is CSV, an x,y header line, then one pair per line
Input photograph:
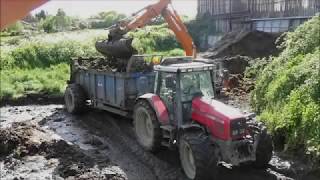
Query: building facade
x,y
272,16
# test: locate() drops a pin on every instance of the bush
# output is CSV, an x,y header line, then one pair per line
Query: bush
x,y
15,29
151,39
106,19
287,93
19,82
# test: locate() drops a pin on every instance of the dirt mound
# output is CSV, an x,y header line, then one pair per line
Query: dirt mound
x,y
245,43
134,64
101,64
16,140
27,139
235,50
239,86
235,64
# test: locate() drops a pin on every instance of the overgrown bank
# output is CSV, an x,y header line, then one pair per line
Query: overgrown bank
x,y
39,64
287,92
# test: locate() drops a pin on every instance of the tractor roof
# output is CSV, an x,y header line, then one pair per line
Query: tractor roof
x,y
183,64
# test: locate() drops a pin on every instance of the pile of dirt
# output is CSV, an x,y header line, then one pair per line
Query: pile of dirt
x,y
235,50
16,140
27,139
254,44
236,64
239,86
103,64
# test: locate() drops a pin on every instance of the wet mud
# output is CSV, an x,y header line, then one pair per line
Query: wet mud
x,y
45,142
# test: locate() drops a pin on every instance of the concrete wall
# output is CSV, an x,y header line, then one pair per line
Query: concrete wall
x,y
272,16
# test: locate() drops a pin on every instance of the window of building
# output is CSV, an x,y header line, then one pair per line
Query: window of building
x,y
272,26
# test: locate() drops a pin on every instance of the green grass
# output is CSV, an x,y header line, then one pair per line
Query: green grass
x,y
39,63
287,93
18,82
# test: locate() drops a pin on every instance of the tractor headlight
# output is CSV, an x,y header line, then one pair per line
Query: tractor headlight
x,y
235,132
238,127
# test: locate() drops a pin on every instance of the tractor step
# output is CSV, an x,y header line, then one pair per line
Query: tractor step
x,y
168,135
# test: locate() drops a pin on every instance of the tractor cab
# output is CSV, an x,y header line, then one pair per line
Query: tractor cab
x,y
178,81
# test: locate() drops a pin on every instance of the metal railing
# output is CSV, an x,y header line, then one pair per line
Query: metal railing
x,y
259,8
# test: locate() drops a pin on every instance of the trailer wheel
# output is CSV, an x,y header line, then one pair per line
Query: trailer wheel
x,y
147,127
264,150
75,99
197,156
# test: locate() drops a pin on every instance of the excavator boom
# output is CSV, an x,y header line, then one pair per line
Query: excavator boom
x,y
144,16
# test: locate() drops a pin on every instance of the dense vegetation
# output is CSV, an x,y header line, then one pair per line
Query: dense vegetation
x,y
156,39
287,93
39,64
105,19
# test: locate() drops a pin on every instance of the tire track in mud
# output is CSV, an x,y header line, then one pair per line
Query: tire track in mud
x,y
125,149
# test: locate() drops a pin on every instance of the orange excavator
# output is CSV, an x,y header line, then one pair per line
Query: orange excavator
x,y
12,10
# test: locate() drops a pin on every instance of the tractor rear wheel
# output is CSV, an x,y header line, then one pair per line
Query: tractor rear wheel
x,y
197,156
75,99
147,127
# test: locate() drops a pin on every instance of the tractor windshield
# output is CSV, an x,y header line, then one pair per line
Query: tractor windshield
x,y
196,84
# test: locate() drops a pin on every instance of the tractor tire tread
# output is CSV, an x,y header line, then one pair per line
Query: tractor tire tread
x,y
157,138
204,155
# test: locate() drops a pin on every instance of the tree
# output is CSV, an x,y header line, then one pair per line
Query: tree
x,y
48,24
61,13
30,18
41,15
106,19
62,21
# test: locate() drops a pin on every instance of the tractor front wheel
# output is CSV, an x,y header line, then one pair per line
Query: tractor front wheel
x,y
197,156
264,150
147,127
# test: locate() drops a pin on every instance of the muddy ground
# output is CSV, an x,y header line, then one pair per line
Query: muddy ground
x,y
45,142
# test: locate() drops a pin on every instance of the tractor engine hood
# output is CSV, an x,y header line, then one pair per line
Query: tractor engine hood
x,y
218,117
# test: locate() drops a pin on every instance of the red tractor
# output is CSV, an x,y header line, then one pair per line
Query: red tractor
x,y
182,112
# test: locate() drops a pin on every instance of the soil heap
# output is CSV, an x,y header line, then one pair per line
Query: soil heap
x,y
235,50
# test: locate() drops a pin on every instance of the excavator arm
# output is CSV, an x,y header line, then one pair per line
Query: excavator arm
x,y
180,30
144,16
